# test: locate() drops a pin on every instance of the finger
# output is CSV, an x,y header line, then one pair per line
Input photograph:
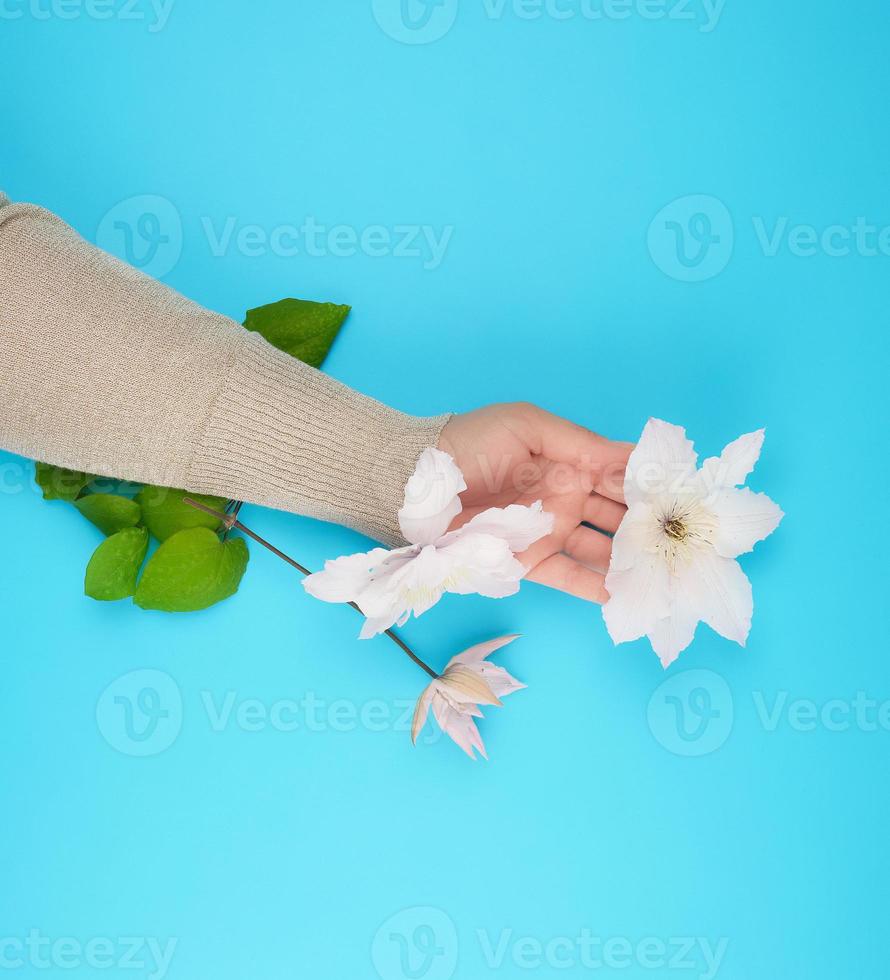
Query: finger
x,y
564,523
565,442
567,575
603,513
590,547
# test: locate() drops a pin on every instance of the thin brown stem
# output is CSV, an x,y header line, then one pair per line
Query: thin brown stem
x,y
230,521
233,508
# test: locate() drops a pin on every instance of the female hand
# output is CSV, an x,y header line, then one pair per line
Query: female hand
x,y
518,453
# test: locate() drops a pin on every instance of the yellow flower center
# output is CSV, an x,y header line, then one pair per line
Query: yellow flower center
x,y
682,526
674,528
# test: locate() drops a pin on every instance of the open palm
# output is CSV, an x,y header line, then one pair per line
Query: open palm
x,y
519,453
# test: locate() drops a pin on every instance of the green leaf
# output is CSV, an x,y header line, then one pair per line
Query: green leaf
x,y
299,327
164,513
192,570
57,483
109,512
112,571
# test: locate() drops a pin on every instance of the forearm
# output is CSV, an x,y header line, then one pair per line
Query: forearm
x,y
105,370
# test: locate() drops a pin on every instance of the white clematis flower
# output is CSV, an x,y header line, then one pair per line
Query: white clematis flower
x,y
388,586
468,681
673,556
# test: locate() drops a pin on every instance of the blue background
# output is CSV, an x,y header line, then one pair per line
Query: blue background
x,y
548,146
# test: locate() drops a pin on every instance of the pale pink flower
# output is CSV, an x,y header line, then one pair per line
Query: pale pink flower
x,y
468,681
673,556
388,586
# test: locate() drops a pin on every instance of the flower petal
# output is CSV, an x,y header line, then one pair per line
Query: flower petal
x,y
461,707
422,710
662,461
673,633
639,597
483,564
636,533
374,625
709,588
458,726
637,581
401,587
500,681
465,685
480,651
744,518
719,593
344,578
431,497
518,525
732,466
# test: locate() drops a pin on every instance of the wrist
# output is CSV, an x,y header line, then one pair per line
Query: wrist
x,y
287,436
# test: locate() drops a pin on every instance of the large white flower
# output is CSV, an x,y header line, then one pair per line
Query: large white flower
x,y
673,556
479,557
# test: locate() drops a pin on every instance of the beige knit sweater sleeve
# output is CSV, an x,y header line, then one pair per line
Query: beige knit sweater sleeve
x,y
107,371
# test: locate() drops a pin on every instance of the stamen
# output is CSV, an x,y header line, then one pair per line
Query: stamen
x,y
682,526
428,594
674,528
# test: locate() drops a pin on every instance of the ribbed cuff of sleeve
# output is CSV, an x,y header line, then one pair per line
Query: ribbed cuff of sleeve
x,y
284,435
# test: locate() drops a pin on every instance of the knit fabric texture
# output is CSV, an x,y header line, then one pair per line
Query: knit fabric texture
x,y
105,370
